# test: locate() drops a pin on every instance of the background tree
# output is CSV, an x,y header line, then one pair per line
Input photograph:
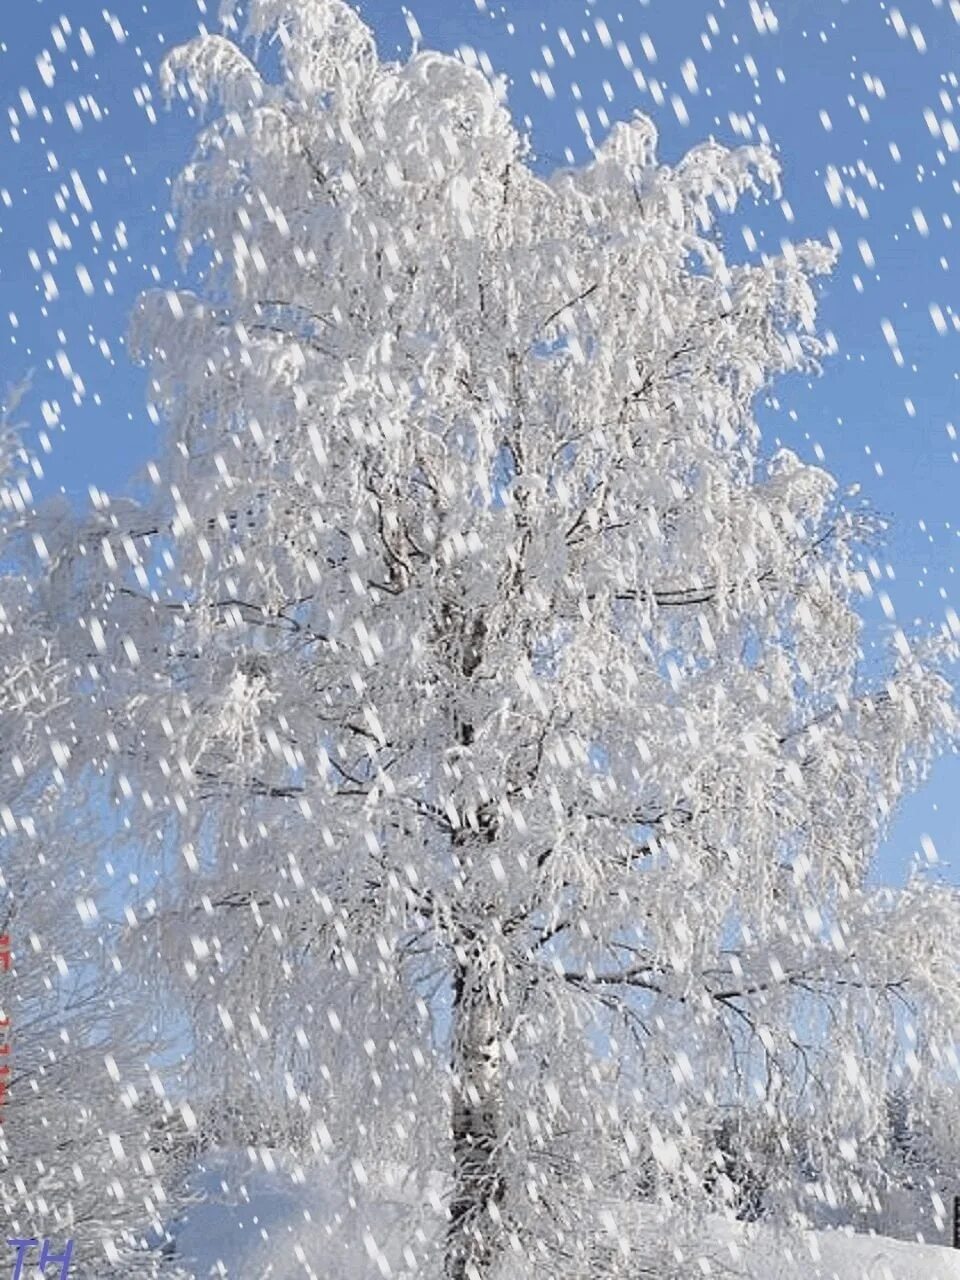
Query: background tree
x,y
80,1152
500,703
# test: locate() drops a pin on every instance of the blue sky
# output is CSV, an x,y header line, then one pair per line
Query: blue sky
x,y
861,97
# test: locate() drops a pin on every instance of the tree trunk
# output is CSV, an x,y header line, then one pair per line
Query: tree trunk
x,y
478,1188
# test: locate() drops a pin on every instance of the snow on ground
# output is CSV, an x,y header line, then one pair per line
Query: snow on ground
x,y
265,1222
832,1255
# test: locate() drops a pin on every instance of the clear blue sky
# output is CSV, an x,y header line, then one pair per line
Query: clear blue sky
x,y
860,96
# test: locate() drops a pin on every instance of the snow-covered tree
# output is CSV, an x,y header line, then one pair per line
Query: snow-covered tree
x,y
498,700
83,1155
